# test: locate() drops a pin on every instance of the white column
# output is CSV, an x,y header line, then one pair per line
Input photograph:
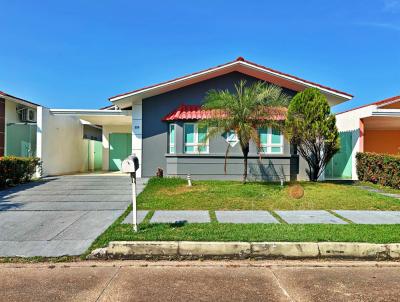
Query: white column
x,y
39,137
137,133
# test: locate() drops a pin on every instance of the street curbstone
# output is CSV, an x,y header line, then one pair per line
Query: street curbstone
x,y
285,249
218,249
353,250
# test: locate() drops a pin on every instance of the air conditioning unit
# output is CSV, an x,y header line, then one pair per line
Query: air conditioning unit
x,y
27,115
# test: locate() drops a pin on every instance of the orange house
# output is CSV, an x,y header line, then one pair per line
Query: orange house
x,y
370,128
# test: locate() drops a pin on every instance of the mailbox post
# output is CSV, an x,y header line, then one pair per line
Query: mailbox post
x,y
131,165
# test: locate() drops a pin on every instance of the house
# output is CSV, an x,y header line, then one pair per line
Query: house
x,y
370,128
17,126
159,123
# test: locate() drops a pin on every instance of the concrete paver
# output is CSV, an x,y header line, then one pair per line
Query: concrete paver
x,y
309,217
245,217
61,215
141,214
180,216
371,217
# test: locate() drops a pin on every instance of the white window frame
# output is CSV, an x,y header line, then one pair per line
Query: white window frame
x,y
172,143
195,144
269,143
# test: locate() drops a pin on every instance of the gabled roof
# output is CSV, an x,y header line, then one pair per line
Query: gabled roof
x,y
2,93
241,65
196,112
380,103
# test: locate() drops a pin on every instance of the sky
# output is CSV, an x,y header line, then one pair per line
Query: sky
x,y
77,54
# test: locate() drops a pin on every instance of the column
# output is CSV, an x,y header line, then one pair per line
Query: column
x,y
137,133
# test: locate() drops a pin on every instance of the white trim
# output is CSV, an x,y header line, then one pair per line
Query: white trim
x,y
169,83
388,103
172,143
195,144
93,112
269,145
386,112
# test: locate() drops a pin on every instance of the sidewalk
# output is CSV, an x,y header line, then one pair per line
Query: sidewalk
x,y
201,281
290,217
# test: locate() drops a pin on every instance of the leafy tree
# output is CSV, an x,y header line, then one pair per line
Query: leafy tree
x,y
247,109
312,128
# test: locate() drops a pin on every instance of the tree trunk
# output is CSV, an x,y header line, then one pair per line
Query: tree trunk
x,y
245,150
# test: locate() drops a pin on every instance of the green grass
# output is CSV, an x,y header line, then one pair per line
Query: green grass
x,y
379,187
174,194
248,232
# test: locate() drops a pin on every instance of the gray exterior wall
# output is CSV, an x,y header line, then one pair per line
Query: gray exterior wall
x,y
205,166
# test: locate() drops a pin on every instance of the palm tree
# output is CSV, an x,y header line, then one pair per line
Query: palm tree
x,y
245,111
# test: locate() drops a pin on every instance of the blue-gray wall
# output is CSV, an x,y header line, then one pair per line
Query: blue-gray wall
x,y
155,140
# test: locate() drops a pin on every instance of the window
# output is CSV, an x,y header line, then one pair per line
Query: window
x,y
271,141
195,138
171,138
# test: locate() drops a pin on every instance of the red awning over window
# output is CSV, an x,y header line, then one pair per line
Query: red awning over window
x,y
195,112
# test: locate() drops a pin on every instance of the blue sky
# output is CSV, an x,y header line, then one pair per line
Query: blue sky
x,y
76,54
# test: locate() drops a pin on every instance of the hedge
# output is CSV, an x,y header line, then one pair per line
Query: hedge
x,y
15,170
377,168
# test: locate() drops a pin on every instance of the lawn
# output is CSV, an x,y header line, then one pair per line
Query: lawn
x,y
174,194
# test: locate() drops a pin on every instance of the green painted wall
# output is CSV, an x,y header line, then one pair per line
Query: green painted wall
x,y
21,140
340,165
120,148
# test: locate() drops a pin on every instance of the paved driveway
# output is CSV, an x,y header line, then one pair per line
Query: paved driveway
x,y
61,215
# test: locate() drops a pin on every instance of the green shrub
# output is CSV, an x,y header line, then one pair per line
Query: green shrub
x,y
382,169
15,170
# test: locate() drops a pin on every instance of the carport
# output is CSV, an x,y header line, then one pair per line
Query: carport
x,y
63,149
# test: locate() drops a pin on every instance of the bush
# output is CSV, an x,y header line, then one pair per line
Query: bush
x,y
15,170
380,169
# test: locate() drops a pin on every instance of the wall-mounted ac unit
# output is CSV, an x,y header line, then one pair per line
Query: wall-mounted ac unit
x,y
27,115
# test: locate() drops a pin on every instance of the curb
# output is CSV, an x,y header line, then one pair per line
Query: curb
x,y
244,250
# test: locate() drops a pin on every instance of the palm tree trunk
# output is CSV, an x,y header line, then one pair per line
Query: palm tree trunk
x,y
245,150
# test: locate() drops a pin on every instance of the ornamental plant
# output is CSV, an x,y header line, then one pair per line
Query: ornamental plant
x,y
311,127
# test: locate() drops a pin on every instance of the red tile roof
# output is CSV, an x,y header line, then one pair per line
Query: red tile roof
x,y
381,102
196,112
239,59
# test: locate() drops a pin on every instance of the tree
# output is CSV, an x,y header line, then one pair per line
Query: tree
x,y
244,111
312,128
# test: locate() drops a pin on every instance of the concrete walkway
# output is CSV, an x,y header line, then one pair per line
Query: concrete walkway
x,y
290,217
201,281
370,189
61,215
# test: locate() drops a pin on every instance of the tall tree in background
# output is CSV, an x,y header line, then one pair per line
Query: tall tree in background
x,y
312,128
244,111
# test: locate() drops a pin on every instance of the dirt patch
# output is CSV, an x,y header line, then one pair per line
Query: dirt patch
x,y
182,190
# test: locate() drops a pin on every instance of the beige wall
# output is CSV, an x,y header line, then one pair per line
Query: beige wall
x,y
60,143
106,145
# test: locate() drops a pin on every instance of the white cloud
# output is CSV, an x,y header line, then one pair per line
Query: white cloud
x,y
392,6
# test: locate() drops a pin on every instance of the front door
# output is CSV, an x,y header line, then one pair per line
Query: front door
x,y
120,148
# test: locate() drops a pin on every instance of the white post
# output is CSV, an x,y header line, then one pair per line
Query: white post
x,y
137,133
134,211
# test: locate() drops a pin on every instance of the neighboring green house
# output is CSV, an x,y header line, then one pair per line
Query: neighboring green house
x,y
18,126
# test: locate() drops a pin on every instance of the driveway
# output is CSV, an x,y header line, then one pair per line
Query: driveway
x,y
61,215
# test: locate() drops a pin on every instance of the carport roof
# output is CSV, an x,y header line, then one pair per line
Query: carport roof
x,y
98,117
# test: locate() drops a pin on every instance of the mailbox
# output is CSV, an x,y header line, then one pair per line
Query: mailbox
x,y
130,165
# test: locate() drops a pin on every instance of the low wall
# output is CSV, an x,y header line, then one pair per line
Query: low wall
x,y
204,166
